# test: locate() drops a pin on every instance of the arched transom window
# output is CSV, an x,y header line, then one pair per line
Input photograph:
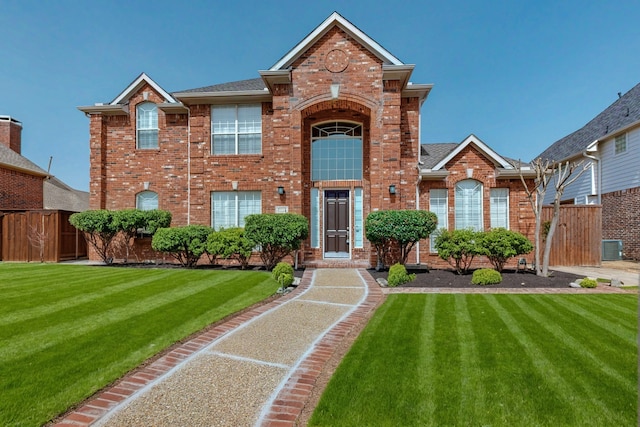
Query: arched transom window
x,y
336,151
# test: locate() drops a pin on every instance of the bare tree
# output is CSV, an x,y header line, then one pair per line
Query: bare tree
x,y
38,237
560,175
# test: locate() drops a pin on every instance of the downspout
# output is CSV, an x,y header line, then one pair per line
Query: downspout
x,y
596,184
418,208
188,166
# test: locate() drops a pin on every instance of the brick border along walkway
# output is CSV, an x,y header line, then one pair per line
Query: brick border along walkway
x,y
291,400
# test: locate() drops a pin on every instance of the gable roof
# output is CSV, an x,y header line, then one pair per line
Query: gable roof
x,y
12,160
335,19
434,158
623,113
135,85
475,141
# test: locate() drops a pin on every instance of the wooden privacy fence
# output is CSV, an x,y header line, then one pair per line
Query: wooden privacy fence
x,y
43,235
578,236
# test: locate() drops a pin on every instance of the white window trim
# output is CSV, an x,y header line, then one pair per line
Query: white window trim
x,y
147,192
236,207
139,128
445,224
508,212
455,195
236,132
623,141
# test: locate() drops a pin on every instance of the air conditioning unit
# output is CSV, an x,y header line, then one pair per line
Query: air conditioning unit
x,y
611,250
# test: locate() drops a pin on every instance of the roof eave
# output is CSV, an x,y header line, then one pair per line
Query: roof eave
x,y
173,108
106,109
420,91
24,170
274,77
433,175
514,173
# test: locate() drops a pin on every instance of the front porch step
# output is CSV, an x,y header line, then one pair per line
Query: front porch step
x,y
336,263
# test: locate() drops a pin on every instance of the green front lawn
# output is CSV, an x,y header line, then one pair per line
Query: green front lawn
x,y
67,330
499,360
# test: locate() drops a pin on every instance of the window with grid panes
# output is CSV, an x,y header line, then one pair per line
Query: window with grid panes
x,y
236,129
468,205
438,202
621,143
336,151
229,208
147,125
499,207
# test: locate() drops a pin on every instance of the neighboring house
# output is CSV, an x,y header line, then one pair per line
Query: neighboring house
x,y
610,144
330,131
59,196
21,180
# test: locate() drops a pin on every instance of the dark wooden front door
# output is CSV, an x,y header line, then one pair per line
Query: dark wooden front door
x,y
336,223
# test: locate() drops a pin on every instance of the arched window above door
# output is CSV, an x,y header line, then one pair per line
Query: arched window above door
x,y
336,151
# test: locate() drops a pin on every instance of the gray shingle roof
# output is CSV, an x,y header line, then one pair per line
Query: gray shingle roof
x,y
431,154
58,195
623,112
9,157
240,85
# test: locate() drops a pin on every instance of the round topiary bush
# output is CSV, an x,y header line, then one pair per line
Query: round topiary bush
x,y
588,283
486,276
398,275
281,269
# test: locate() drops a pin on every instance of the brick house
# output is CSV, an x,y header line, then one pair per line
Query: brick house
x,y
331,131
21,181
610,145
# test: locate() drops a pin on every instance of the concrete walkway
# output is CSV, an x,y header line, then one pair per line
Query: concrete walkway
x,y
626,271
257,369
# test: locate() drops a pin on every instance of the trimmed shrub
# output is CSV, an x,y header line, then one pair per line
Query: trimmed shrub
x,y
280,269
399,231
155,219
588,283
277,235
459,247
486,276
185,244
398,275
230,243
500,244
99,228
286,280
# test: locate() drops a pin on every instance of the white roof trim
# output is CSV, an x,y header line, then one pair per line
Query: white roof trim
x,y
472,139
142,78
336,19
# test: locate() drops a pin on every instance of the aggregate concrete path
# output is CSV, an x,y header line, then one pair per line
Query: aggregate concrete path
x,y
258,369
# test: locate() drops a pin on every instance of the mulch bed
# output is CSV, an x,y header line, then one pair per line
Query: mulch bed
x,y
510,279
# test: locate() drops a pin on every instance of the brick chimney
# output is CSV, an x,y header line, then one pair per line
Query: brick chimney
x,y
11,133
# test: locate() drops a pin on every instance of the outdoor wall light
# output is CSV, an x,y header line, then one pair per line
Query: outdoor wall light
x,y
281,190
392,189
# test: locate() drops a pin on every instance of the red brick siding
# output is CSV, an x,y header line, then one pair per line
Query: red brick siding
x,y
521,217
11,135
621,221
19,190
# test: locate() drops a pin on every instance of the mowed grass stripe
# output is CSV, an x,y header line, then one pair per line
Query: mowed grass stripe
x,y
38,385
45,276
58,299
36,339
604,387
598,317
557,374
611,309
472,399
491,351
68,283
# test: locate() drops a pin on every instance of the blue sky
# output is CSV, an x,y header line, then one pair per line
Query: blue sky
x,y
517,74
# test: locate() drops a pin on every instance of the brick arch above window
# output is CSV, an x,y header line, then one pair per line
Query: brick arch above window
x,y
341,104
